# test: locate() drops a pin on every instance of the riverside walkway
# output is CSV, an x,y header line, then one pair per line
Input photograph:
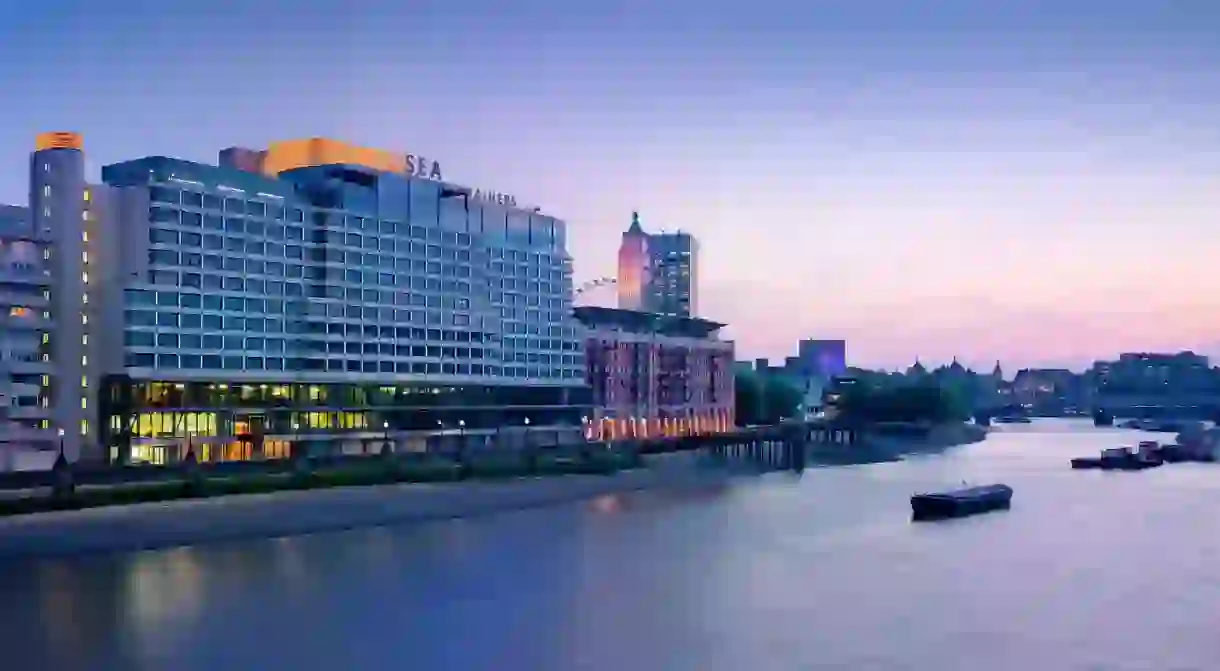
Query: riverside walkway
x,y
771,446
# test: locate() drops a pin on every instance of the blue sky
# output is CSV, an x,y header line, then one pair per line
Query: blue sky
x,y
1034,182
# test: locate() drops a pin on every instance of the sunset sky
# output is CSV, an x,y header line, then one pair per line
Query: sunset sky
x,y
1035,182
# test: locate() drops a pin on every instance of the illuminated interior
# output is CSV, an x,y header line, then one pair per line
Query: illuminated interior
x,y
624,428
163,437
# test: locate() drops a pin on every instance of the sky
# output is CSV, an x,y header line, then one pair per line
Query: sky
x,y
1031,182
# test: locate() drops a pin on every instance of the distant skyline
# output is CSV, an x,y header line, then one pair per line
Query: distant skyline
x,y
1033,182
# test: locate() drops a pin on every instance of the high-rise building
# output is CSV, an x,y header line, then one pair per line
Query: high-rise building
x,y
63,209
821,359
658,272
634,267
313,294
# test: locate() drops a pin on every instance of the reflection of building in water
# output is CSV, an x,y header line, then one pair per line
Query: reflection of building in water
x,y
656,375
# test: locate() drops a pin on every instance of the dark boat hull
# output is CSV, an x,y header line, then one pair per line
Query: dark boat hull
x,y
1141,464
1086,462
960,503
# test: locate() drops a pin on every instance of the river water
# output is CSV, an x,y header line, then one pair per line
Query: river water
x,y
1088,570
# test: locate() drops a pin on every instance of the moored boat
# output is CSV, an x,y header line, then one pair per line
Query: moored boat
x,y
961,502
1013,419
1086,462
1115,458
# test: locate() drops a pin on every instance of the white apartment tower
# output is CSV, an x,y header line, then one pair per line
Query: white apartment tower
x,y
61,208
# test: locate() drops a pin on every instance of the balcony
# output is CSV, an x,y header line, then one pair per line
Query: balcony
x,y
27,366
17,274
36,300
28,412
29,320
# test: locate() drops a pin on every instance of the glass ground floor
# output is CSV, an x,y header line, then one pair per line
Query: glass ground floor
x,y
157,421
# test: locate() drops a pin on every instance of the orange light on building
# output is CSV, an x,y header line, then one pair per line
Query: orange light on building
x,y
59,140
292,154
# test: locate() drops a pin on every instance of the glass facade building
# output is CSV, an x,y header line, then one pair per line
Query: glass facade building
x,y
658,272
322,305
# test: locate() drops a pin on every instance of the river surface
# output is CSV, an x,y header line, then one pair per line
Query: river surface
x,y
1088,570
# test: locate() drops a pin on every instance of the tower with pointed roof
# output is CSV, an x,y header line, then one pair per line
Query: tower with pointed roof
x,y
634,267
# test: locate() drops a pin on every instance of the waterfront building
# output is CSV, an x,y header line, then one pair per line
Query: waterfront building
x,y
658,272
25,334
313,293
656,375
1046,390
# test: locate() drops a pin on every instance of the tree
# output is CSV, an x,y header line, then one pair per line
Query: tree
x,y
908,403
747,391
783,399
764,400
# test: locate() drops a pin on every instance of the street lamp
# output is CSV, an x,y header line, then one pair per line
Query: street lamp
x,y
385,429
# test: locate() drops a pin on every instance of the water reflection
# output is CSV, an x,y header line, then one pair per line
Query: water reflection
x,y
607,504
825,571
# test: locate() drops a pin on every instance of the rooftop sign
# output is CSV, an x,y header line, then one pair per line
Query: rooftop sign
x,y
292,154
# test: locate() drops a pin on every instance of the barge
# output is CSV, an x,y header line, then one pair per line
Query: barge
x,y
961,502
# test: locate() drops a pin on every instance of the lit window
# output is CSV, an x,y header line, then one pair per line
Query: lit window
x,y
46,167
84,256
46,253
84,235
18,311
84,427
84,277
84,403
46,380
84,340
84,381
46,191
84,298
86,195
84,319
84,215
46,211
84,361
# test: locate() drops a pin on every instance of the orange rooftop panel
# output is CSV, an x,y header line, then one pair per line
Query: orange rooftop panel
x,y
292,154
59,140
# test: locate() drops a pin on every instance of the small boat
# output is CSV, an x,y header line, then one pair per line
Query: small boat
x,y
1173,454
1115,458
1086,462
961,502
1142,460
1013,419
